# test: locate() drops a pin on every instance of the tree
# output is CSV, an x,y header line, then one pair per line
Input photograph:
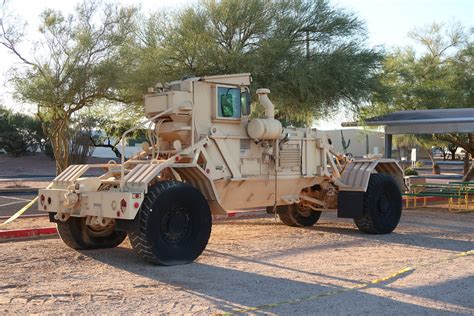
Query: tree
x,y
105,130
442,76
311,55
345,145
73,65
452,148
424,141
19,133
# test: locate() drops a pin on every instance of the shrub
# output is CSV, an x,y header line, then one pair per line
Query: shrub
x,y
410,172
10,139
19,133
419,164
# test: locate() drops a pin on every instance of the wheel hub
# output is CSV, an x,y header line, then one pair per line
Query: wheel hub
x,y
176,225
304,211
96,230
384,205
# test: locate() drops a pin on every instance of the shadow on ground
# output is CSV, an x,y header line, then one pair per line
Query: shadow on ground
x,y
230,289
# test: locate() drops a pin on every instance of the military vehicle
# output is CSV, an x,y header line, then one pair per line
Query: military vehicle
x,y
206,155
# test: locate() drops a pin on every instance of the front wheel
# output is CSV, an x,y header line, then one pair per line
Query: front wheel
x,y
382,205
78,235
174,224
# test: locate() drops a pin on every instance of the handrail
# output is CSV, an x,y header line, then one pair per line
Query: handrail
x,y
122,140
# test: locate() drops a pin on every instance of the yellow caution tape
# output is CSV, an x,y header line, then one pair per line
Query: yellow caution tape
x,y
18,214
348,289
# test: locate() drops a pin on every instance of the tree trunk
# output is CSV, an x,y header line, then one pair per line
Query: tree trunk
x,y
468,170
60,143
114,148
435,168
453,154
469,175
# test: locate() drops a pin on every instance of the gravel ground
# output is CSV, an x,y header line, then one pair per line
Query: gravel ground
x,y
257,263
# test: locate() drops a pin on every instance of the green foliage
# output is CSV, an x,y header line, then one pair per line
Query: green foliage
x,y
419,164
19,133
73,66
441,77
410,172
311,55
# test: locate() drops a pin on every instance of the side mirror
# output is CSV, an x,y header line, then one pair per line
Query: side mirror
x,y
227,105
245,102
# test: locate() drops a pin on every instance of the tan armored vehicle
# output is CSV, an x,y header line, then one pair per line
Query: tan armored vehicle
x,y
206,156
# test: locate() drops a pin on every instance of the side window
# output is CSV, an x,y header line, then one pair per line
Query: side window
x,y
228,102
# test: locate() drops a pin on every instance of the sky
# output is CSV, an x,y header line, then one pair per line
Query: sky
x,y
388,23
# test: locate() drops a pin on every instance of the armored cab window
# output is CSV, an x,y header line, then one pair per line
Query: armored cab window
x,y
228,102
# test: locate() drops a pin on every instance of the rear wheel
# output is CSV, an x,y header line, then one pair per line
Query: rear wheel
x,y
297,216
382,205
174,224
78,235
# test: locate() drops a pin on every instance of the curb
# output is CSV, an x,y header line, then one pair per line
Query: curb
x,y
6,235
18,234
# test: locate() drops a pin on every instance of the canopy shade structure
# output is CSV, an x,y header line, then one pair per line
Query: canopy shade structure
x,y
437,121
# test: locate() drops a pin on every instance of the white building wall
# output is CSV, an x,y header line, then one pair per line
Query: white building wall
x,y
103,152
358,138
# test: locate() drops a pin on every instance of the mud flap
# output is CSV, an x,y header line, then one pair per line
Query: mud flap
x,y
126,225
350,204
51,218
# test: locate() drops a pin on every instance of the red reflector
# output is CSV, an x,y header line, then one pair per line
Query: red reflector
x,y
176,158
123,205
136,205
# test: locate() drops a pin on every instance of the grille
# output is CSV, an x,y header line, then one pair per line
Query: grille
x,y
244,145
290,156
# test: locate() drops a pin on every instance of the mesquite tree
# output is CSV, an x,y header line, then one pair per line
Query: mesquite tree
x,y
72,65
312,55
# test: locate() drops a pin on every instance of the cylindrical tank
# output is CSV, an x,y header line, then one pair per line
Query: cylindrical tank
x,y
268,128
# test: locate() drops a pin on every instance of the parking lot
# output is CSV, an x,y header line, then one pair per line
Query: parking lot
x,y
258,266
12,202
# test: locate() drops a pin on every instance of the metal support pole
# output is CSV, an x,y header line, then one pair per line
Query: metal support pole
x,y
388,145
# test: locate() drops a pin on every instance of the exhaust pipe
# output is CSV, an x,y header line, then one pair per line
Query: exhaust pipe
x,y
265,101
267,128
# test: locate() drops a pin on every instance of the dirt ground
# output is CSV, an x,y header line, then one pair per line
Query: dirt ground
x,y
261,264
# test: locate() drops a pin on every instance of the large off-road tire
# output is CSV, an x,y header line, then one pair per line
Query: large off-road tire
x,y
296,216
174,224
77,235
382,205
